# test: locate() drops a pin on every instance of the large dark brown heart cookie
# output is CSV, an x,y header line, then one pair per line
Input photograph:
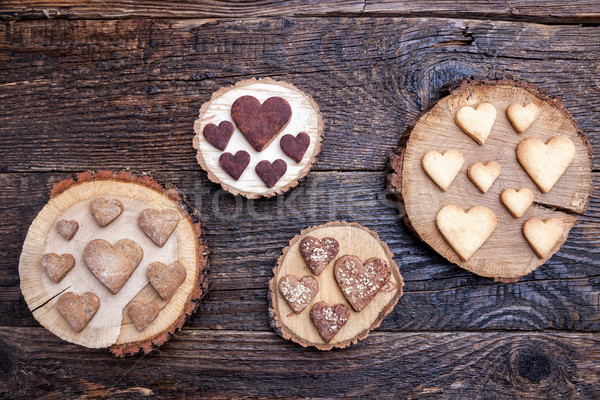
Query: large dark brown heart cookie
x,y
158,225
56,267
235,165
295,147
260,124
270,173
361,282
166,278
329,320
78,310
298,293
218,136
318,253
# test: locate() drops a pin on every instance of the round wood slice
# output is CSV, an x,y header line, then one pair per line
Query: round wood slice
x,y
305,118
506,255
353,239
112,327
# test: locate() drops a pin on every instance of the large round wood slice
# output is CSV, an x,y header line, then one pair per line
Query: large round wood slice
x,y
305,118
112,327
506,255
353,239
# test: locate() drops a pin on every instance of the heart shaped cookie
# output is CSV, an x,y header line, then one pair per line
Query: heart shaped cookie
x,y
295,147
78,310
105,211
166,278
329,320
545,163
521,117
218,136
142,314
361,282
56,267
67,229
158,225
112,265
477,123
260,124
318,253
543,235
442,169
516,202
271,173
298,293
483,176
465,232
235,165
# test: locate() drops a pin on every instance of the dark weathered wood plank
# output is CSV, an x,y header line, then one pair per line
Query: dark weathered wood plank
x,y
225,364
246,238
114,94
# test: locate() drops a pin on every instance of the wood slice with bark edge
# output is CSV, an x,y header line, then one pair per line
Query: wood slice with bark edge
x,y
353,239
137,191
209,156
506,255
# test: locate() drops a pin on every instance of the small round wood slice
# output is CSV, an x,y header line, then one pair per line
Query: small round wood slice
x,y
111,327
305,117
353,239
506,255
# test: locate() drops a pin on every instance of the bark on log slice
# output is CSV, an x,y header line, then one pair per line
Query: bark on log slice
x,y
112,327
353,239
506,255
305,118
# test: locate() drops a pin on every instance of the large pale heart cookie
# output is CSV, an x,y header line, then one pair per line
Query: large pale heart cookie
x,y
545,163
517,202
442,169
56,267
521,117
142,314
112,265
298,293
105,211
543,235
477,123
329,320
318,253
158,225
483,176
166,278
465,232
78,310
361,282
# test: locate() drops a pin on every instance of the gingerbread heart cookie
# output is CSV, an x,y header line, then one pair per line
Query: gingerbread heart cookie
x,y
105,211
158,225
236,164
483,176
477,122
329,320
270,173
442,169
298,293
78,310
543,235
166,278
521,117
516,202
361,282
218,136
295,147
56,267
112,265
545,163
318,253
142,314
67,229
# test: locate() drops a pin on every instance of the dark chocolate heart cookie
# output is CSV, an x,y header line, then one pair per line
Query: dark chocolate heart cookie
x,y
270,173
361,282
218,136
295,147
235,165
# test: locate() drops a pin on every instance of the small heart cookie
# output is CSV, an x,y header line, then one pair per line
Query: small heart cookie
x,y
361,282
329,320
142,314
516,202
78,310
465,232
112,265
271,173
318,253
67,229
166,279
521,117
218,136
298,293
56,267
543,235
235,165
158,225
105,211
476,123
545,163
483,176
295,147
442,169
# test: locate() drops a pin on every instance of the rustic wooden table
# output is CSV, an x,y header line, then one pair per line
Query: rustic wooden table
x,y
111,84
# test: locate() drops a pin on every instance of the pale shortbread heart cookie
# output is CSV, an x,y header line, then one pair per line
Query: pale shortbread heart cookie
x,y
516,202
483,176
545,163
543,235
476,123
521,117
442,169
465,232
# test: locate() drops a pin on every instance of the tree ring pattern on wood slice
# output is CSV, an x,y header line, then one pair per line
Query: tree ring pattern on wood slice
x,y
112,326
506,255
353,239
305,118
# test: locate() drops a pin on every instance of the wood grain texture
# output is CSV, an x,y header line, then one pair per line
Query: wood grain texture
x,y
126,93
